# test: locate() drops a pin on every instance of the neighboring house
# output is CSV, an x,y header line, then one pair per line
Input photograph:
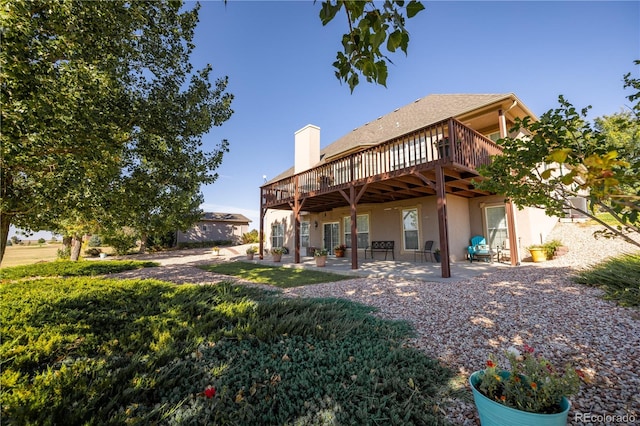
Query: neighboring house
x,y
214,227
405,177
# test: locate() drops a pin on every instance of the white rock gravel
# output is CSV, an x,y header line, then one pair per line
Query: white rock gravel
x,y
462,323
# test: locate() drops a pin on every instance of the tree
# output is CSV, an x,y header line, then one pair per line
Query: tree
x,y
369,28
565,157
88,89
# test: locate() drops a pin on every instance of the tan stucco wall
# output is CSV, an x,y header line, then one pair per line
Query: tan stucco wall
x,y
385,223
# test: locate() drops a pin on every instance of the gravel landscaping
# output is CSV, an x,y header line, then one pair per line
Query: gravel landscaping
x,y
461,323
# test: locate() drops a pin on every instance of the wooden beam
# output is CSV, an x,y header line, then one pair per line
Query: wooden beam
x,y
442,223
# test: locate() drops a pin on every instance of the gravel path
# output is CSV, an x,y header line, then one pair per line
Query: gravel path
x,y
462,323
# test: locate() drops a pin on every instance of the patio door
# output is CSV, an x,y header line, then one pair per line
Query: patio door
x,y
331,236
496,226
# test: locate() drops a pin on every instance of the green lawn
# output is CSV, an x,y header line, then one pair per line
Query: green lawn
x,y
276,276
86,350
68,268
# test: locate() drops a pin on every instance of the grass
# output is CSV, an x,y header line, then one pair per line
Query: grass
x,y
619,277
87,350
26,254
276,276
67,268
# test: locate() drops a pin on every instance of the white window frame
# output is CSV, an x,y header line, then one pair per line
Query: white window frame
x,y
277,234
305,228
363,234
416,230
489,236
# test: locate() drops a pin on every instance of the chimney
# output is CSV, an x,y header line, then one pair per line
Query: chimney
x,y
307,149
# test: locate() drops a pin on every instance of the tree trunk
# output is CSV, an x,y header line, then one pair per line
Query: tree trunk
x,y
143,243
5,223
76,245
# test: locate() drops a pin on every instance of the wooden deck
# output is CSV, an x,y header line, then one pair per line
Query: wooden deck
x,y
398,169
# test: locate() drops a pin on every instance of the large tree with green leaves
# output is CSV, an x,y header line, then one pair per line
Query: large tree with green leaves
x,y
90,90
565,157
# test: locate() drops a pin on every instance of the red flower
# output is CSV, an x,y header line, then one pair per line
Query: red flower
x,y
534,385
210,392
491,364
580,373
528,348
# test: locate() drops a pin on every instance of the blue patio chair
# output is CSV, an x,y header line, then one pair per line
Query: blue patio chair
x,y
479,249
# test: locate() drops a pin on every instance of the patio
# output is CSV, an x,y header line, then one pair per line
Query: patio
x,y
375,268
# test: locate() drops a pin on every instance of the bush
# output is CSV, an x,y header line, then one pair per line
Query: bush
x,y
68,268
95,241
619,277
121,241
93,252
41,241
161,241
250,237
64,253
89,351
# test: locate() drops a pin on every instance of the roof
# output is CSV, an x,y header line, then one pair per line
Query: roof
x,y
420,113
224,217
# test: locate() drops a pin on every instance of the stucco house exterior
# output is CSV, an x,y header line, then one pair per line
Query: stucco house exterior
x,y
214,226
405,177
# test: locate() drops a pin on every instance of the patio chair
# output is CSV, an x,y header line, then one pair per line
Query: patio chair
x,y
479,249
428,249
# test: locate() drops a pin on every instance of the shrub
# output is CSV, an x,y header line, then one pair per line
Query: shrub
x,y
41,241
68,268
121,241
99,351
95,241
250,237
93,252
64,252
619,277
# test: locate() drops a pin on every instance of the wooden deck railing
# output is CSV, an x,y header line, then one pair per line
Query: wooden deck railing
x,y
448,141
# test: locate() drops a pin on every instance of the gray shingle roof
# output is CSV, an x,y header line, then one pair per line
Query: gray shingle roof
x,y
420,113
224,217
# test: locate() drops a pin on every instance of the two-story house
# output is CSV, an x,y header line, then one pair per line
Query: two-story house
x,y
405,177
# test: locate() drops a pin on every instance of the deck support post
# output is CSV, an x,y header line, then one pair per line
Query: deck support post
x,y
442,221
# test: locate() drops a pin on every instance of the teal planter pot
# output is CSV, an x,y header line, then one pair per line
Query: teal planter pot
x,y
494,414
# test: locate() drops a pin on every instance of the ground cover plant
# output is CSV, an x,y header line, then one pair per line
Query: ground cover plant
x,y
67,268
277,276
619,277
100,351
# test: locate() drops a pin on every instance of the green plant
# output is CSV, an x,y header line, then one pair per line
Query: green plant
x,y
340,247
68,268
532,383
551,247
277,250
95,241
103,351
93,251
121,241
64,252
250,237
321,252
252,250
41,241
619,277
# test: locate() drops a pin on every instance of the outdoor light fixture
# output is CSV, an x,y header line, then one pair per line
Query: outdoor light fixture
x,y
315,223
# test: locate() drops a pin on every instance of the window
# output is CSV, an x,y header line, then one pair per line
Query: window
x,y
410,228
496,226
203,228
362,223
304,234
277,235
494,136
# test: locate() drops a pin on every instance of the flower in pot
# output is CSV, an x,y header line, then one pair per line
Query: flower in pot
x,y
321,256
531,392
251,251
216,251
277,253
339,250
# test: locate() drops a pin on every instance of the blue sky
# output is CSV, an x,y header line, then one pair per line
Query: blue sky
x,y
278,58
